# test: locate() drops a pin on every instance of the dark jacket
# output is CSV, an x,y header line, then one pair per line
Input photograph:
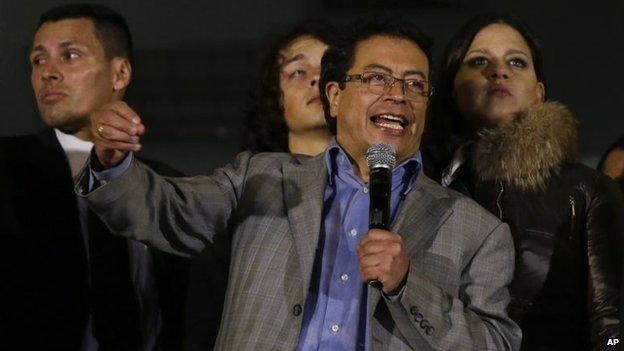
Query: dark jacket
x,y
45,294
567,223
208,278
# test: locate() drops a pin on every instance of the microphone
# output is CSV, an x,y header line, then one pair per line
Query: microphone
x,y
381,159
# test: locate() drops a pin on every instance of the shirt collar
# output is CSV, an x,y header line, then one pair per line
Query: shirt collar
x,y
404,174
71,143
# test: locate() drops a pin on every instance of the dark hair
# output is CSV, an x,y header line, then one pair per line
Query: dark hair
x,y
618,144
444,126
265,128
339,58
110,28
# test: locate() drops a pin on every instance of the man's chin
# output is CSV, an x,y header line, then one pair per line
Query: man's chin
x,y
67,124
71,130
405,151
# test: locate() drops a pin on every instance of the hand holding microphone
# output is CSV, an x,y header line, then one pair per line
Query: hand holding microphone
x,y
383,260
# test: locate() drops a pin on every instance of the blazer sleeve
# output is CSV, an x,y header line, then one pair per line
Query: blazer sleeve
x,y
180,215
476,318
604,230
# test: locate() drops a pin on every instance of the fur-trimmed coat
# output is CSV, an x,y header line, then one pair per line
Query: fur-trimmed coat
x,y
567,223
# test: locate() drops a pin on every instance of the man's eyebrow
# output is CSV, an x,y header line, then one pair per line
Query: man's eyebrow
x,y
388,70
65,44
415,72
37,48
377,66
293,59
62,45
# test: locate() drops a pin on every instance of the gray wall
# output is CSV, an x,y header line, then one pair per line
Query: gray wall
x,y
196,61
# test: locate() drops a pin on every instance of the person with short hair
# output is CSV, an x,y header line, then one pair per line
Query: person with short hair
x,y
67,284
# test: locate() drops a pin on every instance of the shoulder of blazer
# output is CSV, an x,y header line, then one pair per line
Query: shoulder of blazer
x,y
161,168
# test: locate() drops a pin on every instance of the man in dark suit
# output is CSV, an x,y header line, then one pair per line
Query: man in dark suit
x,y
67,284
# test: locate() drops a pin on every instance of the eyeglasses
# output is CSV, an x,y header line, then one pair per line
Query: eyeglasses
x,y
380,83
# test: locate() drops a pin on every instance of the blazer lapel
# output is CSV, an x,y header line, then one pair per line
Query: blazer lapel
x,y
421,216
304,189
418,221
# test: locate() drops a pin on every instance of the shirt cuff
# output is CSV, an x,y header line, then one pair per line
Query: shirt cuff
x,y
395,297
99,176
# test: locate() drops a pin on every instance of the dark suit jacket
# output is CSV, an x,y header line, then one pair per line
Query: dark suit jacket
x,y
208,277
45,295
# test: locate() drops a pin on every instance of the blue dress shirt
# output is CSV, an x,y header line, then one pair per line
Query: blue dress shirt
x,y
335,316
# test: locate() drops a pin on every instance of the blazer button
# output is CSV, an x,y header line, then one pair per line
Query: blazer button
x,y
297,309
429,330
413,310
418,318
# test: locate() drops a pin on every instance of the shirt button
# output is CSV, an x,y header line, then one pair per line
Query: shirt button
x,y
335,328
296,309
344,277
353,232
365,190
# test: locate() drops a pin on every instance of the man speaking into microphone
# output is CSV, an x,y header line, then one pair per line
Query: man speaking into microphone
x,y
301,249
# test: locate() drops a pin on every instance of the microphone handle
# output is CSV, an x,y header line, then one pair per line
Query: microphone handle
x,y
380,181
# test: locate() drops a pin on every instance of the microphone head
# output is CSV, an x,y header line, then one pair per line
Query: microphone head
x,y
381,155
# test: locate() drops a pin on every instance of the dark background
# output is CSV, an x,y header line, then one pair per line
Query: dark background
x,y
196,60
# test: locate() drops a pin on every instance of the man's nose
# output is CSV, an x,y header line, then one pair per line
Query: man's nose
x,y
50,72
395,91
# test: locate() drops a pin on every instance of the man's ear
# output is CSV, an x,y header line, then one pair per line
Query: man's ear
x,y
122,73
332,91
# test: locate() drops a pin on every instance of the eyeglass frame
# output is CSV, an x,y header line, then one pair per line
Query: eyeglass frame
x,y
360,77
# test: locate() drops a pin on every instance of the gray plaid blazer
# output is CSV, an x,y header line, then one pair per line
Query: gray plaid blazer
x,y
268,209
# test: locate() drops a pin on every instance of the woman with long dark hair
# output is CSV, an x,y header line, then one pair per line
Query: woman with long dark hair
x,y
497,138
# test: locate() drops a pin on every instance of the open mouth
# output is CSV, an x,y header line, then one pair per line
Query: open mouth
x,y
395,122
